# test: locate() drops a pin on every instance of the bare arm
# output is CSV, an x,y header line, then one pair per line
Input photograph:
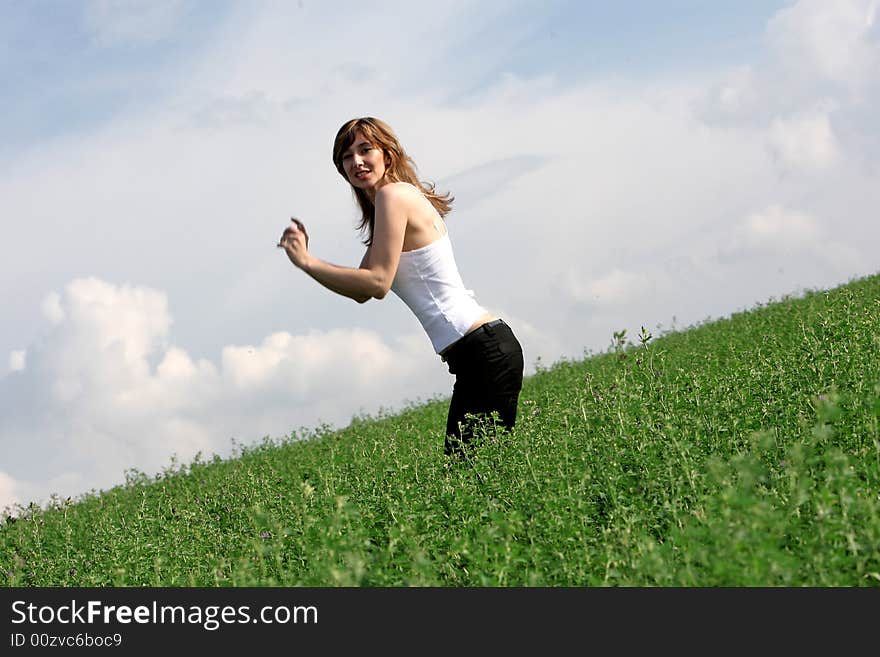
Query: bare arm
x,y
358,284
373,278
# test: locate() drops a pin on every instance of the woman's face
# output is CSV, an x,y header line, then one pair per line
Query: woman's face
x,y
364,162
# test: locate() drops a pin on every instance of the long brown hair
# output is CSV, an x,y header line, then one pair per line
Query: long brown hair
x,y
400,169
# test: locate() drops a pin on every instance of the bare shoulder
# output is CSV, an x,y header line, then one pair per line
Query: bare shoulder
x,y
398,192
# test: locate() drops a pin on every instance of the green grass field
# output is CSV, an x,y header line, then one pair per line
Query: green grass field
x,y
739,452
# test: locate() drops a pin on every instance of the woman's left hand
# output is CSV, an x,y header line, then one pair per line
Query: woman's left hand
x,y
295,241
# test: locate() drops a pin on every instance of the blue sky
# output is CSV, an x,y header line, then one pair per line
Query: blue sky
x,y
63,75
587,39
615,165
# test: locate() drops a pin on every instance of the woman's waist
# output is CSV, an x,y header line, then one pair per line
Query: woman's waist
x,y
487,321
445,315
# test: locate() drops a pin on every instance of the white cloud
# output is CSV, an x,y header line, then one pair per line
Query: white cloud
x,y
736,95
777,227
17,360
93,404
814,90
616,288
8,496
52,308
789,238
805,142
833,41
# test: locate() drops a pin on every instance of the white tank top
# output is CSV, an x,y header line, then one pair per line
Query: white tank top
x,y
428,281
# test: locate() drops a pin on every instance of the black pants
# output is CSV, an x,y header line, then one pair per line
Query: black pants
x,y
488,368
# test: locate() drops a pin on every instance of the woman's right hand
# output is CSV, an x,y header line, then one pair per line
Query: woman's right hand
x,y
295,241
300,225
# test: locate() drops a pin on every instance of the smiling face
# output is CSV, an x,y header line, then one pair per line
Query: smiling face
x,y
364,163
368,154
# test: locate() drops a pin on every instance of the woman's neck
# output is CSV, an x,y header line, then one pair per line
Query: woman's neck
x,y
371,192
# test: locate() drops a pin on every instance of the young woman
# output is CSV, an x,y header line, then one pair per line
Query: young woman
x,y
410,253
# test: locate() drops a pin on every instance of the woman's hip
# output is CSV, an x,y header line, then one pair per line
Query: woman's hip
x,y
492,349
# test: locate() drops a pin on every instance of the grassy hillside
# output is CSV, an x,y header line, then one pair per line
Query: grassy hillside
x,y
743,451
